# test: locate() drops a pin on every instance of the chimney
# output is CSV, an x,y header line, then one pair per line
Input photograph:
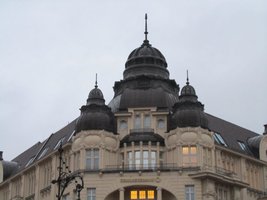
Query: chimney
x,y
1,155
265,129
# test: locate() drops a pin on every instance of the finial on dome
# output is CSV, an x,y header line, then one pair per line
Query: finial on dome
x,y
187,78
146,27
96,80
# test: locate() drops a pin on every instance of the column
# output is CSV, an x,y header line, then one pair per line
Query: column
x,y
159,193
121,193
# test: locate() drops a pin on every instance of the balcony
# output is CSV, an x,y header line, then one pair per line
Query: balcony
x,y
139,167
221,175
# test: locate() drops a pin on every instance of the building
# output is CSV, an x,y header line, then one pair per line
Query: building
x,y
153,141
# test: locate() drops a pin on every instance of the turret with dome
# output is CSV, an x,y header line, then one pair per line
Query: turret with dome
x,y
95,115
189,112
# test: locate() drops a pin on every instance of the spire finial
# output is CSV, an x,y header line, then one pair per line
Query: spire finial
x,y
96,80
187,78
146,27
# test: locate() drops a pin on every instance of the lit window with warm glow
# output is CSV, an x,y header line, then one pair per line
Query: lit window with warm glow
x,y
133,194
150,194
142,194
189,155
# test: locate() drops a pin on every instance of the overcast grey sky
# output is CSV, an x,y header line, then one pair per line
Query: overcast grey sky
x,y
51,50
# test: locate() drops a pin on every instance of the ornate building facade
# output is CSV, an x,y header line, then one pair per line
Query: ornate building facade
x,y
153,141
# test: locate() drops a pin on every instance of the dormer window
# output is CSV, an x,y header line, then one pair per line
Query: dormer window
x,y
137,121
43,153
243,146
123,125
147,121
161,123
142,121
219,139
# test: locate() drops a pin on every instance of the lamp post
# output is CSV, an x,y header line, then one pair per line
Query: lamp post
x,y
66,177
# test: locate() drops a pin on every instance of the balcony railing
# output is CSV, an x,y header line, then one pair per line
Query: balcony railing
x,y
142,130
138,167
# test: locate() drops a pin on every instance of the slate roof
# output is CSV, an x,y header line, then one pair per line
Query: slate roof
x,y
36,150
231,133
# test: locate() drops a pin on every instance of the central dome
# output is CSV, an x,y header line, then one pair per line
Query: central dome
x,y
146,60
145,81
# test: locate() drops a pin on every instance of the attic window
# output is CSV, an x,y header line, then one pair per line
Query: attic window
x,y
30,161
219,139
43,153
59,142
243,146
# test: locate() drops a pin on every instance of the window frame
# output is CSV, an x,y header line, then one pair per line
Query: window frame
x,y
92,159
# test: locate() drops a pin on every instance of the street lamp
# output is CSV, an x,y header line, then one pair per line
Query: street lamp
x,y
66,177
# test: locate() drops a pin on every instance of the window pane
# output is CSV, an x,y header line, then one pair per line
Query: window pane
x,y
134,194
145,159
137,155
123,124
150,194
161,123
137,121
91,194
153,159
185,150
193,150
189,192
92,159
147,121
142,194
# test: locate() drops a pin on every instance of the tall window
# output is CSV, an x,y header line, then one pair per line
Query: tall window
x,y
189,155
147,121
189,192
76,164
91,194
130,159
92,159
137,121
153,159
137,155
145,159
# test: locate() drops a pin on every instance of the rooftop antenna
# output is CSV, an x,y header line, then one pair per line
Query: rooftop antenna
x,y
96,80
146,27
187,78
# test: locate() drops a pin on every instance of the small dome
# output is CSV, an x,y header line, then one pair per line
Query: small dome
x,y
95,97
146,60
188,111
95,115
188,93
